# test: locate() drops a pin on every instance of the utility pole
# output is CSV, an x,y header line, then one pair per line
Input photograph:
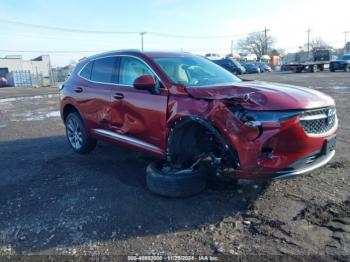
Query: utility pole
x,y
232,48
345,34
142,34
265,46
308,42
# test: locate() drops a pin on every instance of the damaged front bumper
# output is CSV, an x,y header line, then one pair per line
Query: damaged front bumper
x,y
282,150
291,172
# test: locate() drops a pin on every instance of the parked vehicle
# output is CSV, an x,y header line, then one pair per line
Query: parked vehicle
x,y
321,59
249,57
251,68
233,56
213,56
3,82
342,63
188,111
264,67
231,65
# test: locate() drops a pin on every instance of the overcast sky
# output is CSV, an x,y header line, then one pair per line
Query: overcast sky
x,y
287,21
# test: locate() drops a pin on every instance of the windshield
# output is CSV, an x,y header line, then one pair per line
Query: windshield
x,y
195,71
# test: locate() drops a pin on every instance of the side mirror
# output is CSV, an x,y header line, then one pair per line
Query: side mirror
x,y
145,82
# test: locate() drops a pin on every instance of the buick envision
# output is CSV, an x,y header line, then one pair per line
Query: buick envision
x,y
183,109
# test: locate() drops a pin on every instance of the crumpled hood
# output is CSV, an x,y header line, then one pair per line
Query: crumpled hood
x,y
265,96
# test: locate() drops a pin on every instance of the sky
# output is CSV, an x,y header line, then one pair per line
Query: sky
x,y
287,21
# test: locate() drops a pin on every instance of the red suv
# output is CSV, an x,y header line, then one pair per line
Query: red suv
x,y
185,110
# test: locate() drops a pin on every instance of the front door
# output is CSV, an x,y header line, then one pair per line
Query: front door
x,y
138,116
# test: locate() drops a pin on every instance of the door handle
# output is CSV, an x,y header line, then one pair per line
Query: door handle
x,y
118,96
78,90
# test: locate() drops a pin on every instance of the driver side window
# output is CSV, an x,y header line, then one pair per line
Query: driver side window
x,y
130,69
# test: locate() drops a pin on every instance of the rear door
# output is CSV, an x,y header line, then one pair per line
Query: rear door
x,y
98,78
137,115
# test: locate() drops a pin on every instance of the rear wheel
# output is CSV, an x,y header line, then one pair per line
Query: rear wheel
x,y
347,68
313,68
77,134
298,69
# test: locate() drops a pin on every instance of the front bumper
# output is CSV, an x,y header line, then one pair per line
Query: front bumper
x,y
280,151
290,172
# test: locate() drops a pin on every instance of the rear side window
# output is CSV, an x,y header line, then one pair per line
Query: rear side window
x,y
86,72
104,70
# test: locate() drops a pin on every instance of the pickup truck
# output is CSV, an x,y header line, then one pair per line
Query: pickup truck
x,y
342,63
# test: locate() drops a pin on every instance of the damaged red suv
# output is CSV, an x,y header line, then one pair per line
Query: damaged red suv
x,y
186,110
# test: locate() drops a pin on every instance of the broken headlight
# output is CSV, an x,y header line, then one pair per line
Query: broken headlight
x,y
256,117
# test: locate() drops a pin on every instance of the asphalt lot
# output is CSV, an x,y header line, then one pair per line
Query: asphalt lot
x,y
53,201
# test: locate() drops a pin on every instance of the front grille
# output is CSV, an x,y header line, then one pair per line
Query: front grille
x,y
319,121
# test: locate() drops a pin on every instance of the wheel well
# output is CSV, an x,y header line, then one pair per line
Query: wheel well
x,y
67,110
192,137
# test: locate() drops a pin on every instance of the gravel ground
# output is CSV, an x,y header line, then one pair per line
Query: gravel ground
x,y
55,202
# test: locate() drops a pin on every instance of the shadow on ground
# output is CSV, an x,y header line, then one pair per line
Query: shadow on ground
x,y
51,197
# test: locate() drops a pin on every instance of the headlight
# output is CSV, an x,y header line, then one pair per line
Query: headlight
x,y
248,117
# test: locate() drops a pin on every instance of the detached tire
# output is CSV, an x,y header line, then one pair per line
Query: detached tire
x,y
182,183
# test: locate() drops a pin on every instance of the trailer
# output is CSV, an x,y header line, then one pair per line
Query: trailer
x,y
321,61
308,66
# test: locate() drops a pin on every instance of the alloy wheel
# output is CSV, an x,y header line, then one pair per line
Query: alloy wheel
x,y
74,133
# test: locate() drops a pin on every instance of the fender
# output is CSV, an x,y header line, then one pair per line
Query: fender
x,y
186,120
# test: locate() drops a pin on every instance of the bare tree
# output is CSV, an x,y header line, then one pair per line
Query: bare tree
x,y
255,43
318,43
277,52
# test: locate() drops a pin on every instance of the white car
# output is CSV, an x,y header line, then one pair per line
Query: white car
x,y
213,56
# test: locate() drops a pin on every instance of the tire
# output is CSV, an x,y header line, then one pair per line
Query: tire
x,y
331,69
347,68
77,135
298,69
313,69
175,184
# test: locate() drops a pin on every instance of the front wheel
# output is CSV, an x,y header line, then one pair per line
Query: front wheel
x,y
165,180
77,134
347,68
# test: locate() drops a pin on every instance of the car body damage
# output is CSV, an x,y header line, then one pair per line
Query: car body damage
x,y
183,108
259,149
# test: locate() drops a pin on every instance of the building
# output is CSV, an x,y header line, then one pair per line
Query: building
x,y
39,68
